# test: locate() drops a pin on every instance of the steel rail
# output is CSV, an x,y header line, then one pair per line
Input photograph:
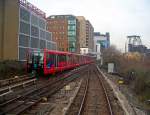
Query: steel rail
x,y
84,85
84,97
56,87
61,77
135,113
105,92
11,81
20,111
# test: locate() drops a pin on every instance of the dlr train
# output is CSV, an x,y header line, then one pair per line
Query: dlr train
x,y
50,62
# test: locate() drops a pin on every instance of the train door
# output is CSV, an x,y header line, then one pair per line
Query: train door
x,y
51,60
62,61
50,63
67,60
78,60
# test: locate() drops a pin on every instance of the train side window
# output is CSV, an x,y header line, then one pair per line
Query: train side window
x,y
61,58
64,58
69,59
51,60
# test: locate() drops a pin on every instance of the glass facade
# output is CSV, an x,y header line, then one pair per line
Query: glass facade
x,y
24,15
24,40
34,20
32,33
103,43
72,34
25,28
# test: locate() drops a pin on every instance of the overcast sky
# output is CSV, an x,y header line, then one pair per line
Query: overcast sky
x,y
119,17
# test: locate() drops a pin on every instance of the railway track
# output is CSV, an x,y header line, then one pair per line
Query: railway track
x,y
7,85
10,88
92,97
23,87
15,80
24,102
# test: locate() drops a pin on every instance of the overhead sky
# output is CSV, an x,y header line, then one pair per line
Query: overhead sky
x,y
118,17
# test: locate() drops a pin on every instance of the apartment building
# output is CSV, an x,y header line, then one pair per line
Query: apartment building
x,y
86,32
89,36
82,31
64,29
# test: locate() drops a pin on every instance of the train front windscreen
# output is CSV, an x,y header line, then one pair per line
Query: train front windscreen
x,y
35,60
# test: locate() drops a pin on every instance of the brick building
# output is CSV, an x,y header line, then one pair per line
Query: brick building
x,y
65,33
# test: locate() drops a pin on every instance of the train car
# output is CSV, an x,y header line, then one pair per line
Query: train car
x,y
50,62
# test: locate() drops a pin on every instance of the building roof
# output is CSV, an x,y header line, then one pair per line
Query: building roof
x,y
30,6
99,34
61,16
96,33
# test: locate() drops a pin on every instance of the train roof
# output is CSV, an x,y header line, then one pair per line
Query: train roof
x,y
58,52
62,52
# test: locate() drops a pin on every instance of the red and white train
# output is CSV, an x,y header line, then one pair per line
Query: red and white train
x,y
51,62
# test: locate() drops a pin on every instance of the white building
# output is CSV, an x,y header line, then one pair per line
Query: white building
x,y
101,39
84,51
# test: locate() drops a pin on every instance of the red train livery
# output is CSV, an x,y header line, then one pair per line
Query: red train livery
x,y
50,62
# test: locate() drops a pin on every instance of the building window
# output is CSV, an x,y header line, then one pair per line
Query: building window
x,y
71,21
49,45
34,31
48,36
42,24
72,44
24,28
34,42
42,34
71,38
22,53
34,20
71,33
71,27
24,40
24,15
42,44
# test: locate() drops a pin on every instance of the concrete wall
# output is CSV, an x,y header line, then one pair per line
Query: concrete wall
x,y
11,28
1,28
